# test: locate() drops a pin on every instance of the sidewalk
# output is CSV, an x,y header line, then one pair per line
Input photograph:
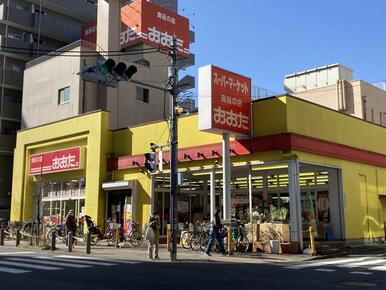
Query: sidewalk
x,y
140,254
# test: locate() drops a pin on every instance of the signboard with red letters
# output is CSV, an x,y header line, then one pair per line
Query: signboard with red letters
x,y
145,22
224,101
56,161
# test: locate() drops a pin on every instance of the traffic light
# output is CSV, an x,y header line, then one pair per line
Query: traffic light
x,y
130,72
107,66
108,73
151,162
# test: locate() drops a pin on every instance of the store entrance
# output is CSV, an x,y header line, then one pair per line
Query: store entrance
x,y
119,208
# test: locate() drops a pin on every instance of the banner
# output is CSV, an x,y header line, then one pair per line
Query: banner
x,y
56,161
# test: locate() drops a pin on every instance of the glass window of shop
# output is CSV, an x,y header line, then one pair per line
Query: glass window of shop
x,y
61,196
270,198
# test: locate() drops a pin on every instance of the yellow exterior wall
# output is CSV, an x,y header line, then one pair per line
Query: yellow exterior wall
x,y
315,121
364,211
89,130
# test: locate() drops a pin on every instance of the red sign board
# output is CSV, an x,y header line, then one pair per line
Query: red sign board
x,y
145,22
224,101
55,161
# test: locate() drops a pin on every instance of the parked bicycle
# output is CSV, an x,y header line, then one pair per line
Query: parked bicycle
x,y
240,240
134,236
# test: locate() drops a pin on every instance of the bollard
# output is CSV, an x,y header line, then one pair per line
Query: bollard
x,y
31,240
17,237
117,237
312,241
69,242
2,235
230,246
384,229
168,237
88,243
53,241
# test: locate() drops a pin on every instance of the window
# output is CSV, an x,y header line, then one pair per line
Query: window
x,y
64,95
142,95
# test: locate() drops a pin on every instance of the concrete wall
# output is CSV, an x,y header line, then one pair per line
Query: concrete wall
x,y
43,81
356,92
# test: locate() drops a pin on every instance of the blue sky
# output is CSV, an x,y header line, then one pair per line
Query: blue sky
x,y
267,39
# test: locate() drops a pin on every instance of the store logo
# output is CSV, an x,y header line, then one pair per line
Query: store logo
x,y
64,162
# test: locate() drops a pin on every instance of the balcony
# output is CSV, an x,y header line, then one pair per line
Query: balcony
x,y
57,28
7,142
12,42
22,17
12,110
12,78
81,10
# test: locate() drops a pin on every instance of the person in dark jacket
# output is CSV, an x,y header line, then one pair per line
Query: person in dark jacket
x,y
215,234
155,224
71,223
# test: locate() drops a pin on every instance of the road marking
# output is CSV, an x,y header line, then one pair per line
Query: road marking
x,y
29,265
365,263
51,263
361,273
324,270
13,270
95,263
379,268
325,263
15,253
82,258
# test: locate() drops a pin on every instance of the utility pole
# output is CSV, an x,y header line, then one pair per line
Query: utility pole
x,y
173,76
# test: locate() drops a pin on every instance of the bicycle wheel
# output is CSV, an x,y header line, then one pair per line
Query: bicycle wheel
x,y
136,239
110,237
242,244
186,240
195,242
205,241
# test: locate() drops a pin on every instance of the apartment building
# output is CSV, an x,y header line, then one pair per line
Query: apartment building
x,y
333,86
53,84
28,28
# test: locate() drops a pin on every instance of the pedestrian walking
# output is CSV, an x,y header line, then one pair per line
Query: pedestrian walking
x,y
215,234
155,225
71,224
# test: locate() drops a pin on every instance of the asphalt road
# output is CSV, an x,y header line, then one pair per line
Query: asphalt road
x,y
30,270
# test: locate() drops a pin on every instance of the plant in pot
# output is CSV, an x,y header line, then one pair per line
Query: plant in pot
x,y
282,214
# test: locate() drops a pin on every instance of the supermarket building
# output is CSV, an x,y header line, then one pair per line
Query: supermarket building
x,y
327,168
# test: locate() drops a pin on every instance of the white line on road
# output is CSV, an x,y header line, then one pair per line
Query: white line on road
x,y
15,253
82,258
13,270
361,273
325,270
51,263
379,268
325,263
82,261
365,263
25,265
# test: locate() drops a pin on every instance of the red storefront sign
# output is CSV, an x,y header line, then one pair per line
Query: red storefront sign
x,y
145,22
224,101
56,161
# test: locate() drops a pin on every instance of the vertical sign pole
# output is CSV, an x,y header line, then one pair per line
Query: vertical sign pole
x,y
173,152
212,193
250,194
226,177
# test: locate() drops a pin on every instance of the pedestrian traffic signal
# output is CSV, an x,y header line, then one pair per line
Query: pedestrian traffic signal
x,y
151,162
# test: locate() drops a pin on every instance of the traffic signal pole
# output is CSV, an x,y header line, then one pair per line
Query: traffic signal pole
x,y
173,150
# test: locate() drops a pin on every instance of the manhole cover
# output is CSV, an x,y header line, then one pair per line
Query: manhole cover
x,y
359,284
